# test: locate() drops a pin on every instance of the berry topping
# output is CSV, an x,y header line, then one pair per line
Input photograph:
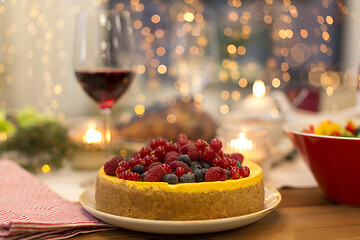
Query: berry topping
x,y
170,178
187,178
181,161
155,174
111,165
215,174
184,158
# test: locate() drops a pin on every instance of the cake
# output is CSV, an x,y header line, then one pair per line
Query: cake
x,y
212,197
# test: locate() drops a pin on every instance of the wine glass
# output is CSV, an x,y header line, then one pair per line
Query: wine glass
x,y
104,60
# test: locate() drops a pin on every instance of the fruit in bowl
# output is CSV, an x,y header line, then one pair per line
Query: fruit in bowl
x,y
331,149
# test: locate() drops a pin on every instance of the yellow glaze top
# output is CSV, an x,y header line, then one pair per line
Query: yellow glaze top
x,y
254,178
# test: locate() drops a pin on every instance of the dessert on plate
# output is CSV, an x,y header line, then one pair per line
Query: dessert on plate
x,y
181,180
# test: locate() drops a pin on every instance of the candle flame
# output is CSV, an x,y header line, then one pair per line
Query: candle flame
x,y
92,135
258,88
240,144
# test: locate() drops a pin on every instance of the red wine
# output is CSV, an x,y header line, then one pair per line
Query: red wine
x,y
105,86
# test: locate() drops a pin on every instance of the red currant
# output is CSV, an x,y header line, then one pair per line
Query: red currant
x,y
168,147
161,142
160,152
208,153
176,147
244,171
144,151
153,144
135,176
120,170
166,167
216,144
235,173
182,139
125,164
148,160
200,144
179,171
216,161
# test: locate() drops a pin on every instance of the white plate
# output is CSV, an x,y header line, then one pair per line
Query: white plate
x,y
272,200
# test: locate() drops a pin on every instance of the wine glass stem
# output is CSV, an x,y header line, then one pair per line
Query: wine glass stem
x,y
106,113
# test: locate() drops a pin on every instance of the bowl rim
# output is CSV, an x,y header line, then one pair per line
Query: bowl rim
x,y
287,128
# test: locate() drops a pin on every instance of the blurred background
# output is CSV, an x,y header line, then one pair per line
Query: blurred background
x,y
197,59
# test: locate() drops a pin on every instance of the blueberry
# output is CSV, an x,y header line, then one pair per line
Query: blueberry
x,y
142,177
185,158
187,178
139,169
206,165
238,164
200,175
170,178
195,166
228,175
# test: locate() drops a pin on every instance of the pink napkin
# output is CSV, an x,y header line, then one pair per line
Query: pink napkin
x,y
31,210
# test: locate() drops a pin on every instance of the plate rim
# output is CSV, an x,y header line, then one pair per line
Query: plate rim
x,y
264,212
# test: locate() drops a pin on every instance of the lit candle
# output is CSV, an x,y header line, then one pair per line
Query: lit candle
x,y
251,148
92,136
257,103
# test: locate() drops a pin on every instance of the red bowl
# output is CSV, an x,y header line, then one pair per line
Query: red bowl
x,y
334,161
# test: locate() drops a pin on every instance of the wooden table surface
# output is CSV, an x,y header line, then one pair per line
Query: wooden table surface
x,y
302,214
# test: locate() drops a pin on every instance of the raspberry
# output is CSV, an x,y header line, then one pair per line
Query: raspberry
x,y
216,144
175,164
190,150
179,172
170,157
111,165
244,171
153,165
235,173
120,170
155,174
215,174
238,157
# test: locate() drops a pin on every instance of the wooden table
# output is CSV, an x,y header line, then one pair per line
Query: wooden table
x,y
302,214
